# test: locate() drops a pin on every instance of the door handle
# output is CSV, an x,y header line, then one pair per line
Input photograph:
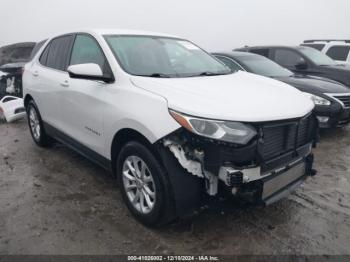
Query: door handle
x,y
35,73
65,83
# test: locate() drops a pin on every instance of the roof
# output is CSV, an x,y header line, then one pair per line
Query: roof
x,y
326,40
116,31
269,46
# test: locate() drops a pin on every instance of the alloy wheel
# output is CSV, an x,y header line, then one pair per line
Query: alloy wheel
x,y
139,184
34,123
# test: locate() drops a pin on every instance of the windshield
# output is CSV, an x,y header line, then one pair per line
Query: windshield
x,y
317,57
163,57
263,66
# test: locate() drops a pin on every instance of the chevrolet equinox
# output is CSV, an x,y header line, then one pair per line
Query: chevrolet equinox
x,y
170,121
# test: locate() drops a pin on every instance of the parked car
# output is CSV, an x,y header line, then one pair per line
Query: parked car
x,y
3,84
330,110
338,50
169,120
304,60
12,83
11,108
16,53
12,60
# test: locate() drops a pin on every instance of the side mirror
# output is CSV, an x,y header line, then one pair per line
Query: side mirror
x,y
302,65
88,71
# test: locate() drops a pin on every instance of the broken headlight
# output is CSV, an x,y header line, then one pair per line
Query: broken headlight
x,y
232,132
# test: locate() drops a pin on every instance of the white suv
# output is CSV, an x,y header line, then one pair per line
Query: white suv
x,y
338,50
170,121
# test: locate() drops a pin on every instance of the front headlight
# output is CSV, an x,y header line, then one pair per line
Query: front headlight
x,y
233,132
320,101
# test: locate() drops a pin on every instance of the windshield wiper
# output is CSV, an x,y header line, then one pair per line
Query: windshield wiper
x,y
208,73
160,75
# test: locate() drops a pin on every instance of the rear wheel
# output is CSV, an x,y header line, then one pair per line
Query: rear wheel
x,y
145,185
36,126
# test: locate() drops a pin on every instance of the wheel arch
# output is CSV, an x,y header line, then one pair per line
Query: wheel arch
x,y
27,98
124,136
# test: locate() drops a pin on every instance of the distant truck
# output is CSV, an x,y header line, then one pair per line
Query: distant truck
x,y
12,60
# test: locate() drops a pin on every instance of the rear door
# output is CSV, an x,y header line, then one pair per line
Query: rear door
x,y
49,75
83,101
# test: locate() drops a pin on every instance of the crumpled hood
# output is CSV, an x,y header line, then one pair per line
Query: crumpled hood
x,y
240,96
314,85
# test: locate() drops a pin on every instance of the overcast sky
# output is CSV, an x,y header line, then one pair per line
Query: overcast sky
x,y
214,25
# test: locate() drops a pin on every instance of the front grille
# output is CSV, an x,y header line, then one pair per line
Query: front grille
x,y
277,139
345,99
282,139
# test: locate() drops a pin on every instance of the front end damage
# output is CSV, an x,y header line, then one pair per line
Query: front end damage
x,y
263,171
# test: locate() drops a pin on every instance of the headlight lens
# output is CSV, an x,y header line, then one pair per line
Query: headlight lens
x,y
320,101
233,132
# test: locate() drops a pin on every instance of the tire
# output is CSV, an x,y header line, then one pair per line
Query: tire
x,y
36,126
154,178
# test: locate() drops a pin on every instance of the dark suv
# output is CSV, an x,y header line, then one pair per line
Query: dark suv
x,y
304,60
324,92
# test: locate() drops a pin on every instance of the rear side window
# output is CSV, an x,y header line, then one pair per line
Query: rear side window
x,y
338,52
59,51
56,53
87,50
264,52
287,58
36,49
230,63
318,47
43,57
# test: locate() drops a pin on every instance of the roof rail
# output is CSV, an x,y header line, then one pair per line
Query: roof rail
x,y
326,40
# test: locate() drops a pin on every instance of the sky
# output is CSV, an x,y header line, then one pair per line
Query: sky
x,y
216,25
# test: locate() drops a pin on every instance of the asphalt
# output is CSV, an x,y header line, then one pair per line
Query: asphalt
x,y
53,201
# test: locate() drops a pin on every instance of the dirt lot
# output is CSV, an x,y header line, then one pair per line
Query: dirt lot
x,y
53,201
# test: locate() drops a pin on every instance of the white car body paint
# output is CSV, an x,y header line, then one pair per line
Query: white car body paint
x,y
142,103
240,96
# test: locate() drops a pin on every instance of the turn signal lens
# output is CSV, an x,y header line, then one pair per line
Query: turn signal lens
x,y
181,120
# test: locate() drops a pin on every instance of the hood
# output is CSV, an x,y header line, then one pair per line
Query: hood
x,y
314,85
339,67
240,96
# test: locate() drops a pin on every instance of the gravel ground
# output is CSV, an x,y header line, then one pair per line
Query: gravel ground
x,y
53,201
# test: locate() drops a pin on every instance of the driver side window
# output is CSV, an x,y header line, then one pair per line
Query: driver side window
x,y
86,50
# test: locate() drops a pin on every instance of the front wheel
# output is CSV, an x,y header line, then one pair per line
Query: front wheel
x,y
145,185
36,126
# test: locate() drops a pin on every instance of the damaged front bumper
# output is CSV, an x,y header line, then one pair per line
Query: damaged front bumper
x,y
256,172
252,186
